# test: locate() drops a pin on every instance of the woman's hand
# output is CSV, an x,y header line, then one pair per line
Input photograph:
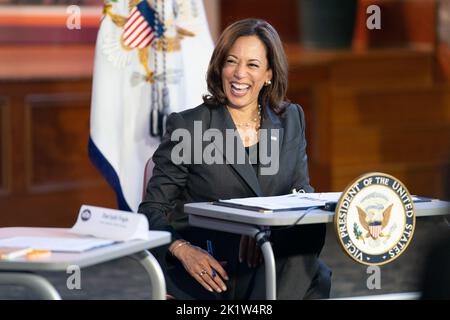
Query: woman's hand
x,y
199,264
248,250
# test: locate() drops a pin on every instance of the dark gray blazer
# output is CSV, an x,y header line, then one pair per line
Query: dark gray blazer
x,y
171,186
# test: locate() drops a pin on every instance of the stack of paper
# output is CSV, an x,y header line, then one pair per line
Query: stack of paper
x,y
55,244
295,201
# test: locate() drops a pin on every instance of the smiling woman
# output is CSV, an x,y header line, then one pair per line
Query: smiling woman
x,y
247,82
248,57
259,43
245,72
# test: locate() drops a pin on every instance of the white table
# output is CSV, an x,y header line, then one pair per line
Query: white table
x,y
256,224
20,271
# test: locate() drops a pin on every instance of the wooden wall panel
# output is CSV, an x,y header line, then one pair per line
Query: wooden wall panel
x,y
379,145
311,100
282,15
364,107
426,179
2,147
50,174
58,131
442,66
374,111
403,23
394,126
54,208
389,69
4,137
405,133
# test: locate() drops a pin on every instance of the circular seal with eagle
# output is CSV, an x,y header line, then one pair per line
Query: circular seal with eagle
x,y
375,219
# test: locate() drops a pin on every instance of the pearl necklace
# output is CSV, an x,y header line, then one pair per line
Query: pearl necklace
x,y
256,120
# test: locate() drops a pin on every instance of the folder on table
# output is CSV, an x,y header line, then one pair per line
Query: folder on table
x,y
288,202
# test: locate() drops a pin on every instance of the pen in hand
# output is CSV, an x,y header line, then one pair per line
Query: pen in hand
x,y
210,251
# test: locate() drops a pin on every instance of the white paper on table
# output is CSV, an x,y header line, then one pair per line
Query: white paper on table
x,y
288,201
55,243
291,201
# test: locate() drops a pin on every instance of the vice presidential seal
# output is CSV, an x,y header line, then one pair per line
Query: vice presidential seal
x,y
375,219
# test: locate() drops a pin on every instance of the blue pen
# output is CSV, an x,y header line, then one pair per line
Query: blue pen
x,y
210,251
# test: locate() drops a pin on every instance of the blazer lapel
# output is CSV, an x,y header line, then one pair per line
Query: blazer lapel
x,y
221,119
274,133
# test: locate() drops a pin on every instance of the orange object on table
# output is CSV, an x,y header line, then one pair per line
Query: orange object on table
x,y
38,254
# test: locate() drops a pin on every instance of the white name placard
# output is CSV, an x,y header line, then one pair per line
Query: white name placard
x,y
111,224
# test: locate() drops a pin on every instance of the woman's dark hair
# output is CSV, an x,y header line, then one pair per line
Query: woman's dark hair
x,y
273,94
